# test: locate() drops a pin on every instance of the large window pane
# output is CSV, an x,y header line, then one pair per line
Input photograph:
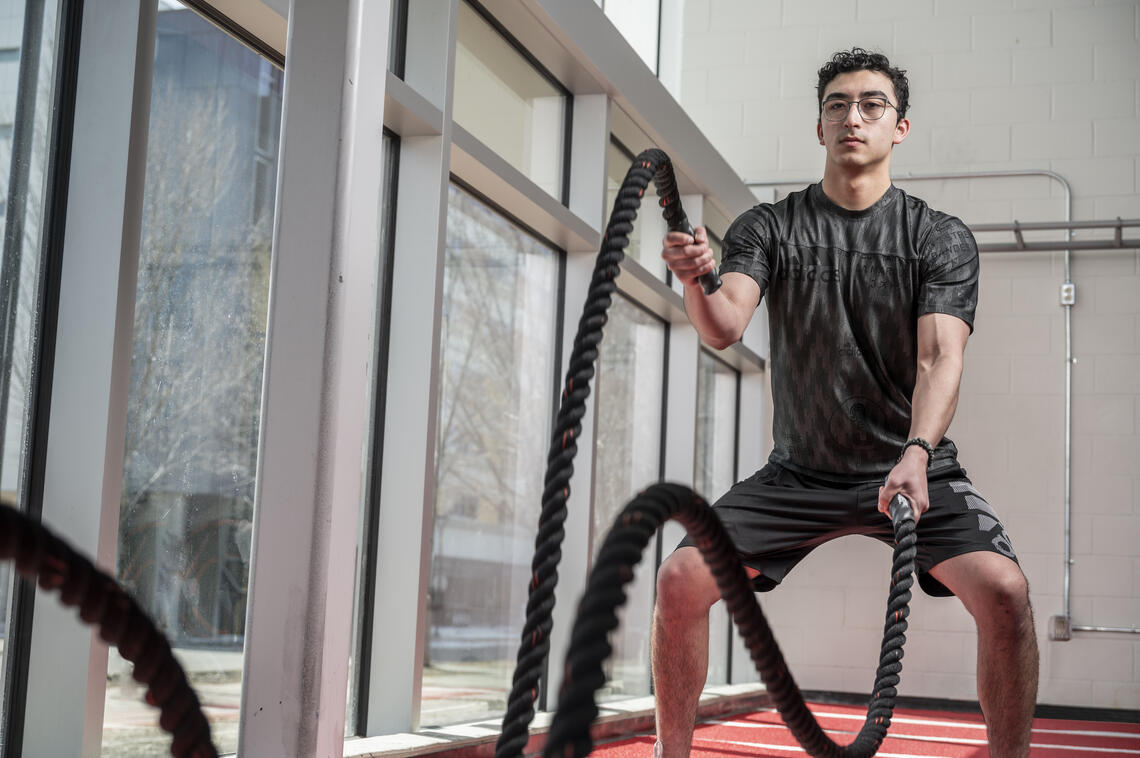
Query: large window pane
x,y
195,388
505,101
497,350
715,472
631,382
27,56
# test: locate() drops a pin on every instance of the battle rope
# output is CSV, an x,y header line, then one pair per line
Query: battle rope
x,y
535,645
43,557
569,735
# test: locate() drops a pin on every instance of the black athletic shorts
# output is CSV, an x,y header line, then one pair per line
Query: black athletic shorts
x,y
776,517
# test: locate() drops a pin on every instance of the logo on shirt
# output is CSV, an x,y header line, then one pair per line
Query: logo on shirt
x,y
798,271
853,425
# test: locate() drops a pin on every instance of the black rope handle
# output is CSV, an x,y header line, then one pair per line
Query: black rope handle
x,y
45,558
535,645
569,735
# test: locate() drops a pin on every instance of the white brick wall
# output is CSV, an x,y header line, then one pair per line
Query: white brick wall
x,y
995,84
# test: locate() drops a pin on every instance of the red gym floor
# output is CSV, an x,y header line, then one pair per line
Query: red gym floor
x,y
912,733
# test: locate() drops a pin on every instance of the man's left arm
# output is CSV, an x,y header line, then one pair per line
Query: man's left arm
x,y
941,346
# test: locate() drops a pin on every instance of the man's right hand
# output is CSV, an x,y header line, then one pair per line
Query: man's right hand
x,y
688,257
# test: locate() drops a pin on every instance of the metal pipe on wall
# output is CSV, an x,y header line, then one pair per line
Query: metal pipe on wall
x,y
1061,627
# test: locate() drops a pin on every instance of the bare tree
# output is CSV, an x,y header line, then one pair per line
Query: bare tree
x,y
199,338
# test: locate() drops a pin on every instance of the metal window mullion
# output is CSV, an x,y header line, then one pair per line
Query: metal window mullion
x,y
406,510
82,457
314,416
366,581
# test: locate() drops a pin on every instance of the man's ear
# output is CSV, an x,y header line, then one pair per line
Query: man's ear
x,y
819,131
902,128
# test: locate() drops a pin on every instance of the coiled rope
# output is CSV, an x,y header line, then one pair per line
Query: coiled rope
x,y
584,674
569,735
41,556
535,645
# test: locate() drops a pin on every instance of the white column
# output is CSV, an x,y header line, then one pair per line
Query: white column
x,y
319,345
67,675
407,492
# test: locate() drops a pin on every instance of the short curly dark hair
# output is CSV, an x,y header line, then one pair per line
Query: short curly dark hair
x,y
858,59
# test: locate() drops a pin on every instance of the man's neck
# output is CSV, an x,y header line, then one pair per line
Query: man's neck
x,y
855,192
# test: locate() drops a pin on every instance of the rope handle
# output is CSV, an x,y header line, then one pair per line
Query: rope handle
x,y
675,217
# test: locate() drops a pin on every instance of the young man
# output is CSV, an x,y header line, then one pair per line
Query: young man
x,y
871,298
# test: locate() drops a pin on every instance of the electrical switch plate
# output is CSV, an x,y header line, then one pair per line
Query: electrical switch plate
x,y
1068,293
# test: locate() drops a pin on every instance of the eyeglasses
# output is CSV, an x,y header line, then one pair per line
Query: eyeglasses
x,y
870,108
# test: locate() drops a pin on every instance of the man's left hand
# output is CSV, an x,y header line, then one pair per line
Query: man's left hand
x,y
909,478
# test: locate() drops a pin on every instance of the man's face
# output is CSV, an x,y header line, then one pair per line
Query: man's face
x,y
854,140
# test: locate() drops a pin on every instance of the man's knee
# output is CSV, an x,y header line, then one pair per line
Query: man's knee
x,y
1005,603
685,586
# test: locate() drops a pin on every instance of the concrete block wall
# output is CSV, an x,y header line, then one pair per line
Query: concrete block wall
x,y
995,85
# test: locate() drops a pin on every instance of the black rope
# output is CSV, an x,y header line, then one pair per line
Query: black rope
x,y
41,556
535,646
569,735
589,641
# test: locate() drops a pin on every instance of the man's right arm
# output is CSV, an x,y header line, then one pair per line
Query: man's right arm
x,y
719,318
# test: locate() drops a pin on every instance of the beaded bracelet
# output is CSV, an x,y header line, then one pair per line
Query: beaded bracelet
x,y
921,443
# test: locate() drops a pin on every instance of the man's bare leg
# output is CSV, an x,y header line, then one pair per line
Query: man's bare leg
x,y
680,646
995,592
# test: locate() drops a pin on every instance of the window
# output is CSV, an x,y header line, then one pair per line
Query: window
x,y
498,355
195,388
629,428
649,226
717,247
714,474
28,46
509,103
717,384
639,21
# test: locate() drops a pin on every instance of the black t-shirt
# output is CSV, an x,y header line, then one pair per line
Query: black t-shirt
x,y
844,291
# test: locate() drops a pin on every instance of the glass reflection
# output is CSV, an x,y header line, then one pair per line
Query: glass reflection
x,y
714,474
28,43
195,387
497,348
631,382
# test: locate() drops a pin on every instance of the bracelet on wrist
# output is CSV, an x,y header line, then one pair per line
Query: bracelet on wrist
x,y
920,442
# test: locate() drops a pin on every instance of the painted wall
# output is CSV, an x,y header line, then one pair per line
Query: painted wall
x,y
995,85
